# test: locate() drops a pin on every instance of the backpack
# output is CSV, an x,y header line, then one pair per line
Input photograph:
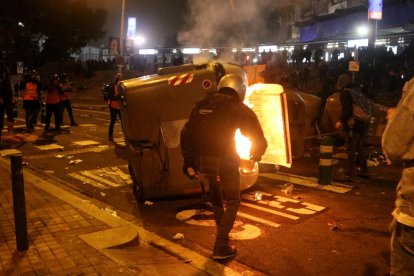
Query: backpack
x,y
108,92
361,108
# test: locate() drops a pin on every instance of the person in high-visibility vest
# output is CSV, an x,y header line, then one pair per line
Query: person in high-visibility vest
x,y
52,102
114,108
64,100
32,88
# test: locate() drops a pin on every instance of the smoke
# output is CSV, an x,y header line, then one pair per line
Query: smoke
x,y
231,23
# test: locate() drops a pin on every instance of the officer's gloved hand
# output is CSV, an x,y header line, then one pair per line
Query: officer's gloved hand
x,y
190,172
255,158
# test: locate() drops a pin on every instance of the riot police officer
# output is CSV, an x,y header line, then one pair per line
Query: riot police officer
x,y
208,147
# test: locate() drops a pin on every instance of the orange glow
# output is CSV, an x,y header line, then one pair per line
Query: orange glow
x,y
269,103
243,145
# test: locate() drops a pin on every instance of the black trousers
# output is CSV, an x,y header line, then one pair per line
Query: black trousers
x,y
115,113
55,110
68,105
32,109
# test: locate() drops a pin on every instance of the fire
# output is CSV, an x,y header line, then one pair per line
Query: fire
x,y
267,102
243,145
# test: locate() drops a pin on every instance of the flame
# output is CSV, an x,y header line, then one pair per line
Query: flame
x,y
243,145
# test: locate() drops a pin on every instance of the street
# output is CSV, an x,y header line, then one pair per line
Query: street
x,y
310,230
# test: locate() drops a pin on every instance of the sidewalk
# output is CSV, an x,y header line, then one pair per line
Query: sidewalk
x,y
71,235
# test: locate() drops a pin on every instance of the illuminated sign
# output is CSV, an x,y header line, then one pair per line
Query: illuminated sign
x,y
375,9
132,27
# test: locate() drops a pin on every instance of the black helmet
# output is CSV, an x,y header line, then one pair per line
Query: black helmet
x,y
63,77
54,77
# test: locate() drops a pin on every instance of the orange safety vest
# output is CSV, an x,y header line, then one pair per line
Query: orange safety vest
x,y
30,93
114,103
52,96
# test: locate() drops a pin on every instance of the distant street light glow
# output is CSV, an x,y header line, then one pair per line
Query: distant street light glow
x,y
362,30
21,24
148,51
190,51
139,40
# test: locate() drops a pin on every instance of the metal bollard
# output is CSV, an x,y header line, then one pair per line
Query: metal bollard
x,y
19,202
325,160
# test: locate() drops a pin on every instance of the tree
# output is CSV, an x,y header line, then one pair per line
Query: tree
x,y
48,30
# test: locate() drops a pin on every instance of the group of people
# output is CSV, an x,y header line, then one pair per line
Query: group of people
x,y
56,99
30,88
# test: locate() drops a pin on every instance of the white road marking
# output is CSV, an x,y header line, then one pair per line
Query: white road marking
x,y
308,182
109,177
88,181
9,152
86,143
97,149
248,231
87,125
309,209
50,147
270,211
263,221
100,179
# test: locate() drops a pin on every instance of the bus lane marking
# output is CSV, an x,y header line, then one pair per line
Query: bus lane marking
x,y
308,209
104,178
247,231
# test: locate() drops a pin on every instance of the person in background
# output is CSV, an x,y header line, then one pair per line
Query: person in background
x,y
114,108
208,146
6,96
354,121
52,102
32,88
64,99
398,145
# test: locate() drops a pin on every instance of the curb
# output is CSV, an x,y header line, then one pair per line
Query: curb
x,y
76,200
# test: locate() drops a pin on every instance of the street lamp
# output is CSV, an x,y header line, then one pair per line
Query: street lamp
x,y
121,36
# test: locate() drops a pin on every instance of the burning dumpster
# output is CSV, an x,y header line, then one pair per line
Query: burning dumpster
x,y
155,108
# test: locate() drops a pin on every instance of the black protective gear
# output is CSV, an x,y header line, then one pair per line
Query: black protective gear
x,y
211,129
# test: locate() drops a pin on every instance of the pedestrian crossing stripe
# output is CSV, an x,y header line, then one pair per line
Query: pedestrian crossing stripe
x,y
104,178
87,125
86,143
50,147
9,152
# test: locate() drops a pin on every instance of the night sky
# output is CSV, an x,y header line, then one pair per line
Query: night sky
x,y
198,23
156,19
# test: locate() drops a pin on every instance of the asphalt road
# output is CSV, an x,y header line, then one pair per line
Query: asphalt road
x,y
311,231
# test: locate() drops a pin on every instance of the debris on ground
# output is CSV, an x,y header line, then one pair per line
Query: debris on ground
x,y
287,189
112,212
76,161
258,196
150,203
334,226
178,236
